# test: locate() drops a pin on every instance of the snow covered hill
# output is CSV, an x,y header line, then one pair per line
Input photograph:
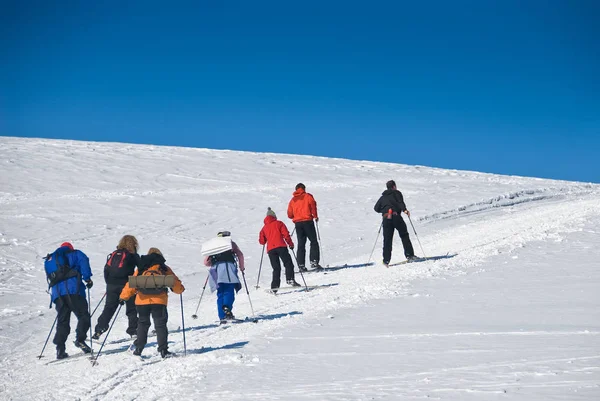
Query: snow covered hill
x,y
511,313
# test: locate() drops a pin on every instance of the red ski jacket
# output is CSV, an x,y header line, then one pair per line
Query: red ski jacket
x,y
302,207
275,234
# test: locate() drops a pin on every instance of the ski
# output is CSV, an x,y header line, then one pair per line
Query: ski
x,y
327,269
237,321
287,290
71,358
446,256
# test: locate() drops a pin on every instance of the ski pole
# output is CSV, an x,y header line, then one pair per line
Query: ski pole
x,y
183,325
247,292
301,275
320,245
375,244
101,299
109,329
260,266
47,338
89,311
293,231
195,316
413,226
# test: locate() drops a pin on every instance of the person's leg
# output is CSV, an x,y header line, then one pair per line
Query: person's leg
x,y
228,296
274,259
311,233
287,263
80,310
160,317
63,327
403,231
132,318
388,239
112,303
220,298
301,255
143,326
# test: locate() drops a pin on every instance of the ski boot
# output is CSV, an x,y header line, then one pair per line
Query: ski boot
x,y
302,268
83,346
164,353
98,333
293,283
228,313
316,266
60,353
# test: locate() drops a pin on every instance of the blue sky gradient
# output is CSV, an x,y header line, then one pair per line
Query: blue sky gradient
x,y
508,87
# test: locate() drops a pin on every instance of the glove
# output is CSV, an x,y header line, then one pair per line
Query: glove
x,y
89,284
121,301
317,219
407,213
291,246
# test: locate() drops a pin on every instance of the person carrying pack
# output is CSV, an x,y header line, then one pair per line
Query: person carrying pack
x,y
276,236
391,205
223,277
152,301
65,269
120,264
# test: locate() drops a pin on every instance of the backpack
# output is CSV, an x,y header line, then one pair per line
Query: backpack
x,y
148,275
57,267
114,263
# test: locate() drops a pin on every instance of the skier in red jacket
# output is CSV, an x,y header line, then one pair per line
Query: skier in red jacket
x,y
277,237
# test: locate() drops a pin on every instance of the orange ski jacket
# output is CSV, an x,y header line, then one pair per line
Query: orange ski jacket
x,y
302,207
160,299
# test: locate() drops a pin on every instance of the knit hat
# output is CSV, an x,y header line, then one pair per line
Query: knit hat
x,y
300,185
270,212
67,244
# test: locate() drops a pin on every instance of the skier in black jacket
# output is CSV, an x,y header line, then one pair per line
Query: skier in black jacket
x,y
119,266
391,205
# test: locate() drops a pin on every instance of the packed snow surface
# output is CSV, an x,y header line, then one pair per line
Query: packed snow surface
x,y
509,309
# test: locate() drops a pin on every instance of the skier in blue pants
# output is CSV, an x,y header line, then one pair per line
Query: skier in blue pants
x,y
223,277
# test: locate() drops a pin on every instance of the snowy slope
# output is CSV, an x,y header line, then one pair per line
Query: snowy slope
x,y
373,333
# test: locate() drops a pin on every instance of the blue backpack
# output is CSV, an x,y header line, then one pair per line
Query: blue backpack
x,y
57,267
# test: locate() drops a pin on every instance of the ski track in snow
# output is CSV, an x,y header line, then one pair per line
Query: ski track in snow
x,y
175,198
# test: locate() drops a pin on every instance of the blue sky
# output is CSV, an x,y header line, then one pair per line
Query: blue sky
x,y
509,87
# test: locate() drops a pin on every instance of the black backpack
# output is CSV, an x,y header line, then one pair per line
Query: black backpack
x,y
114,264
57,267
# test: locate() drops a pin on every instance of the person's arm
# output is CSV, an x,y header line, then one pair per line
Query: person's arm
x,y
400,199
178,287
262,238
286,236
239,254
127,292
290,211
312,204
377,206
84,266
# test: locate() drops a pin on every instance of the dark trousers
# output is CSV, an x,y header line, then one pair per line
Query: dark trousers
x,y
160,317
304,230
389,225
64,306
274,256
113,292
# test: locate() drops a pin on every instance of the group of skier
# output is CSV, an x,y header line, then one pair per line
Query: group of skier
x,y
69,273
